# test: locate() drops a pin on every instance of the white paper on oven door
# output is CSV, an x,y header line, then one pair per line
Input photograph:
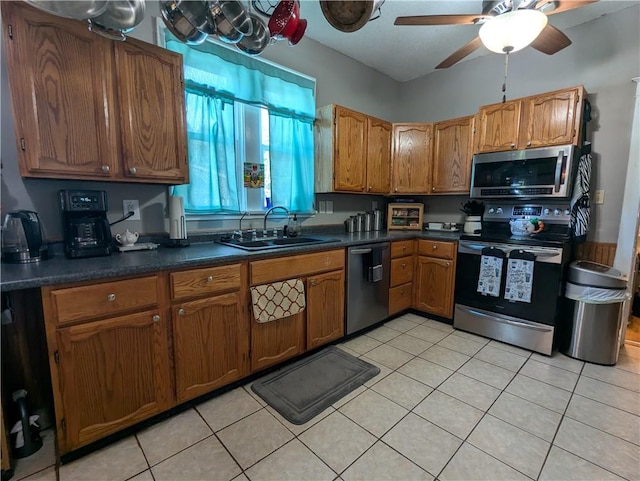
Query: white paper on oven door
x,y
519,280
490,276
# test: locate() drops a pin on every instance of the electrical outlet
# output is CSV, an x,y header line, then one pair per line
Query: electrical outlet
x,y
374,204
599,197
322,207
131,206
329,206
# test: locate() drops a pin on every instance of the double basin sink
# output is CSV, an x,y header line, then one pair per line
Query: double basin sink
x,y
279,243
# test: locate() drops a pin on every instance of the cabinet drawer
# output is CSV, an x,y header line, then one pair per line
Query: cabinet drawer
x,y
400,298
401,270
270,270
86,302
210,280
431,248
402,248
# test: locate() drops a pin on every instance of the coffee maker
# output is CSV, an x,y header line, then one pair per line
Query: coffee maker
x,y
84,221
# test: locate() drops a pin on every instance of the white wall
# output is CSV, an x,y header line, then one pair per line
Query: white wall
x,y
604,57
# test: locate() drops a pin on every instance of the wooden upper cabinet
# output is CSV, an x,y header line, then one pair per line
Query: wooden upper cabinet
x,y
89,108
553,118
62,89
379,156
412,156
499,125
152,112
113,374
452,154
350,150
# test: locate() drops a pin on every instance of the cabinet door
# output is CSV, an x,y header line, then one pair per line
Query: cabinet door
x,y
62,89
379,156
552,119
433,284
499,126
113,374
452,154
152,114
211,344
325,308
275,341
412,158
350,153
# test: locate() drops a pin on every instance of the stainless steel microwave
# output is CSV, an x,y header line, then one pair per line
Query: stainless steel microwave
x,y
525,174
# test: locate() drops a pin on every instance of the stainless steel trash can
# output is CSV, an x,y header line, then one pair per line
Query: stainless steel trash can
x,y
597,293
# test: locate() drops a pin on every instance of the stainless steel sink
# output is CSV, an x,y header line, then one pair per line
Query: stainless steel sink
x,y
258,245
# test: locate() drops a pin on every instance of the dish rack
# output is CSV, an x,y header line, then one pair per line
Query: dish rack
x,y
405,216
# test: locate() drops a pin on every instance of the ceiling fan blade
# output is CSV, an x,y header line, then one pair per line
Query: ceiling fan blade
x,y
461,53
550,40
562,5
440,19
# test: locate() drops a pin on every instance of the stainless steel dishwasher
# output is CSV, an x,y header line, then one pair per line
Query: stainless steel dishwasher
x,y
367,285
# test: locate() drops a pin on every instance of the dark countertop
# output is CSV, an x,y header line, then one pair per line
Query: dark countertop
x,y
58,269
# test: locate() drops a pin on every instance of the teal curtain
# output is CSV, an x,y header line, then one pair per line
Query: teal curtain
x,y
213,186
217,77
291,154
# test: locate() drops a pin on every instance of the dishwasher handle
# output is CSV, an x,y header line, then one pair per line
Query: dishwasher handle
x,y
360,251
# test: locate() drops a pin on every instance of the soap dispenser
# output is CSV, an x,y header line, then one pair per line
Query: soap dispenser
x,y
293,227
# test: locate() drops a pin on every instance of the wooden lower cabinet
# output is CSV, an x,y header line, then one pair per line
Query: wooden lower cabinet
x,y
210,343
276,341
434,285
400,298
112,374
325,308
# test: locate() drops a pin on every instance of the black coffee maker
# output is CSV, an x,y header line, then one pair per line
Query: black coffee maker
x,y
85,225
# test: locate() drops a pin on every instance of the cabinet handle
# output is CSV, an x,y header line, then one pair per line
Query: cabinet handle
x,y
434,247
402,292
448,264
513,146
210,279
155,318
312,283
433,189
404,248
105,168
369,188
181,312
404,265
111,297
529,144
395,190
132,170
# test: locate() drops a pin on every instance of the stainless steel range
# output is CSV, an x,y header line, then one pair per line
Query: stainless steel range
x,y
510,287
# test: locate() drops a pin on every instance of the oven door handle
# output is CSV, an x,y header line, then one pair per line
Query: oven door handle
x,y
559,168
506,321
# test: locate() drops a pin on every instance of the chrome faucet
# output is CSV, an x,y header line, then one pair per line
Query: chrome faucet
x,y
269,212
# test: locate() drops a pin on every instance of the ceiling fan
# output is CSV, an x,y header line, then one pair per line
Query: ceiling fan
x,y
550,40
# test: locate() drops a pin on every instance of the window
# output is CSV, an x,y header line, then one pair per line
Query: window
x,y
249,130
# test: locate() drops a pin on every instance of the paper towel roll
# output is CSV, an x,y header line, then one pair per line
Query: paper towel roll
x,y
177,222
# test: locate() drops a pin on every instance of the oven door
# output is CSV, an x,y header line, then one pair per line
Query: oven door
x,y
535,173
546,287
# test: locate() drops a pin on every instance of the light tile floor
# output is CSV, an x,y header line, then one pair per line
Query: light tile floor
x,y
446,405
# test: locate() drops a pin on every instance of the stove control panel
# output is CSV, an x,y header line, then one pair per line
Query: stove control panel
x,y
549,213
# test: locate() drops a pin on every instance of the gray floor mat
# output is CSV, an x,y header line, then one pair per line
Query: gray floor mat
x,y
307,387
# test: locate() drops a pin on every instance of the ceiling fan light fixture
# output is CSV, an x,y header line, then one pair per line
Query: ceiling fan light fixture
x,y
512,31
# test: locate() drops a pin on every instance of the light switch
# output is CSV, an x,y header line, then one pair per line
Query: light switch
x,y
329,207
599,197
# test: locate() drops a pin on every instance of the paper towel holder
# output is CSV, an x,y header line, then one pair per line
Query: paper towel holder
x,y
177,222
